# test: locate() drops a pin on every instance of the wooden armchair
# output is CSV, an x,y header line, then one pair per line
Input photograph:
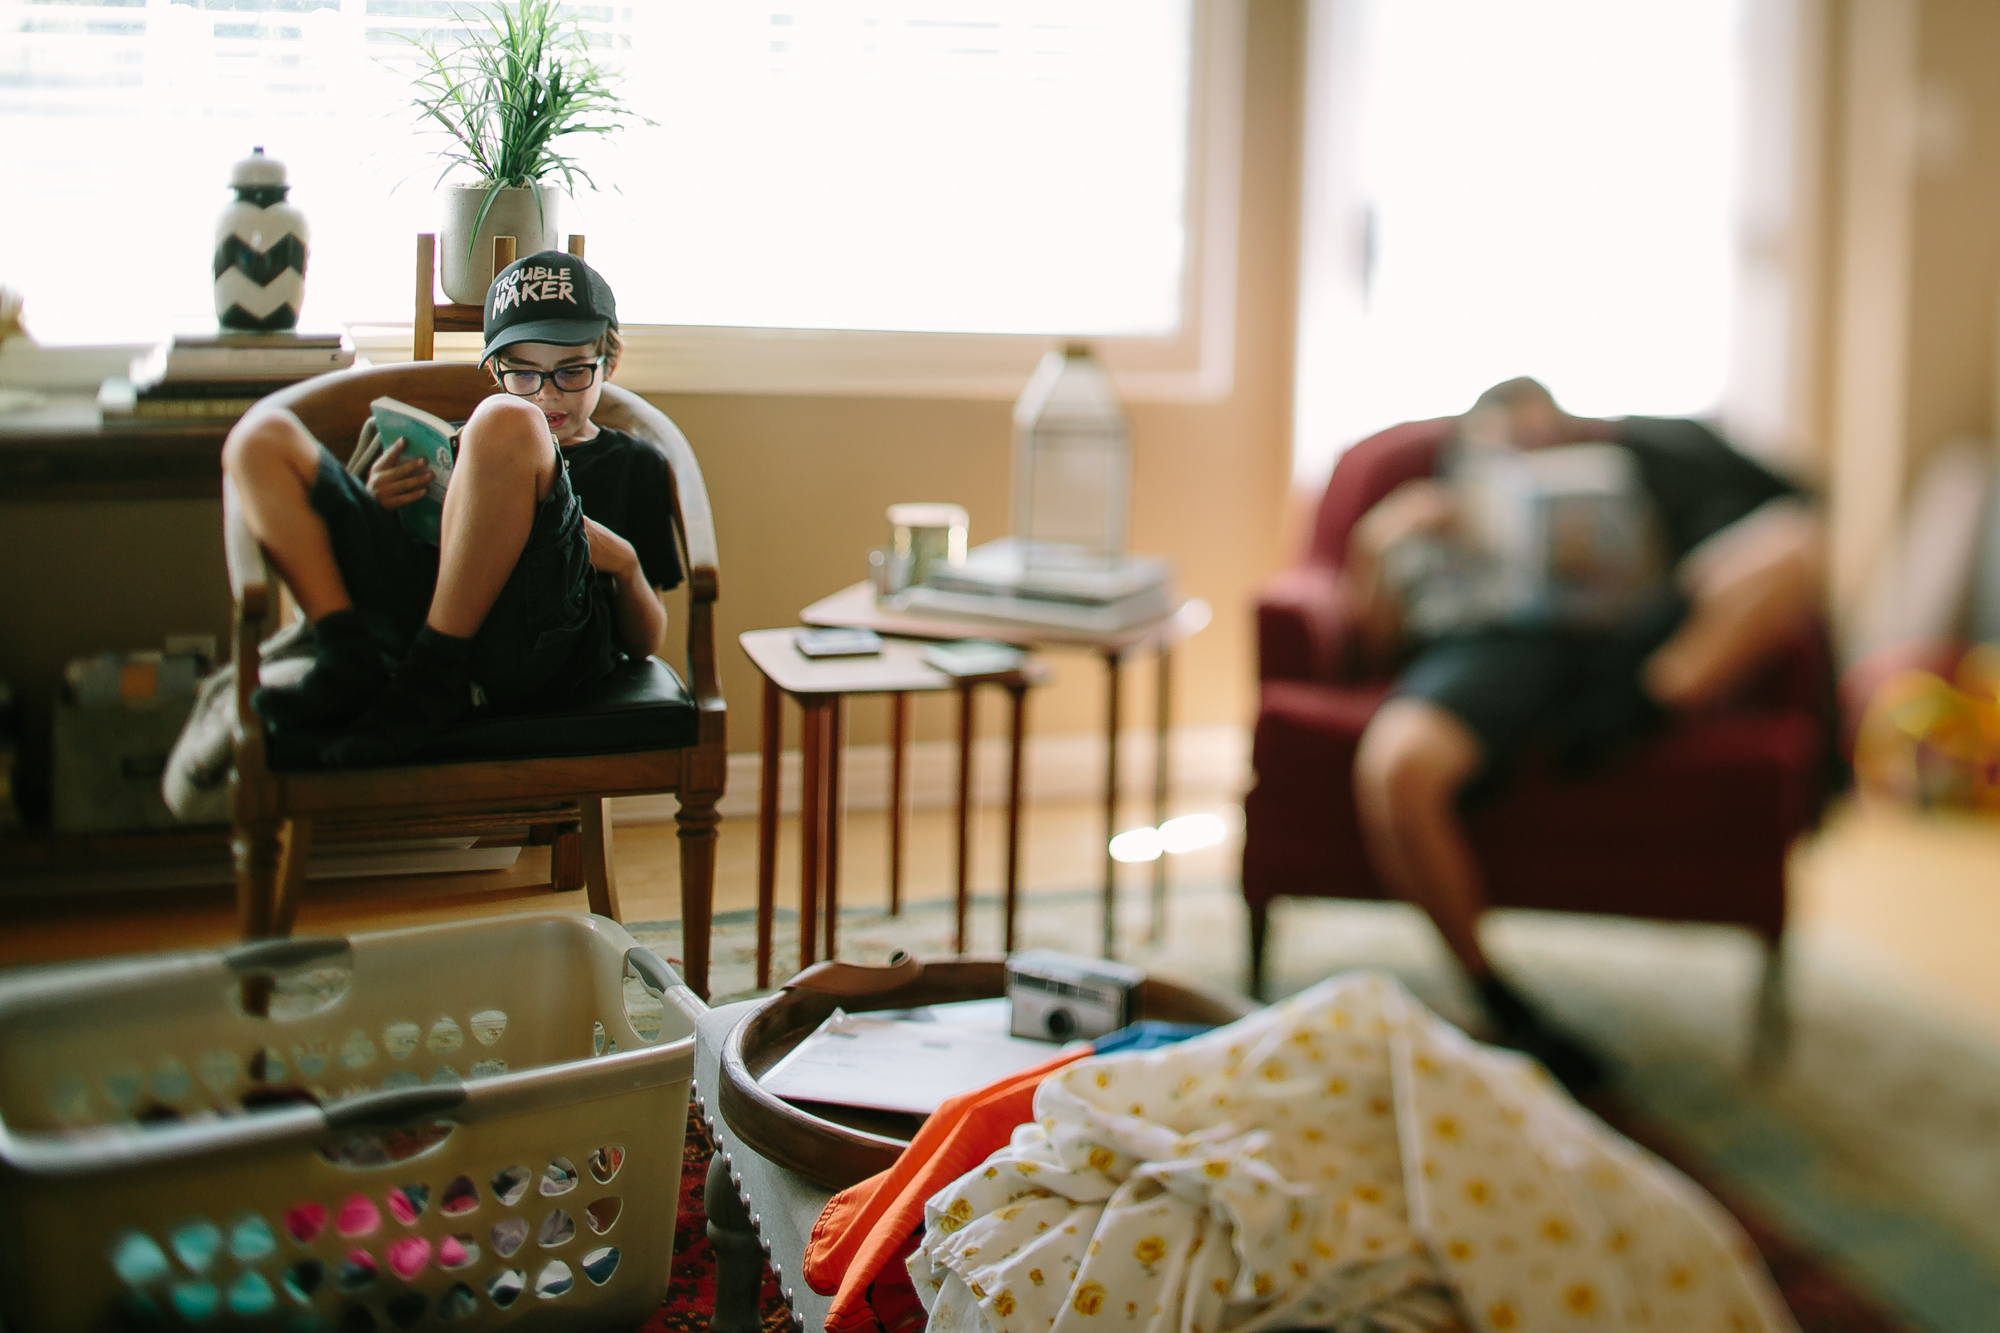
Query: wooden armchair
x,y
554,768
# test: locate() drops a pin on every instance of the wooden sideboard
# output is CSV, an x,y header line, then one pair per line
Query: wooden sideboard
x,y
66,451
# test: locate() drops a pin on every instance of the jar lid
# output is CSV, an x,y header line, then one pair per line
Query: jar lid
x,y
927,516
257,171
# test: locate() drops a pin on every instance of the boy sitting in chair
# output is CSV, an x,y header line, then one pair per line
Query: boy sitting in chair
x,y
554,536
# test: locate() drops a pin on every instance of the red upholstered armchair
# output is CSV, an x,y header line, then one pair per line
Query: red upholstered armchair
x,y
1690,826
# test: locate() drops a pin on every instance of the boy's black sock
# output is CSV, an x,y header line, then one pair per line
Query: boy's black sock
x,y
346,675
431,689
1519,1027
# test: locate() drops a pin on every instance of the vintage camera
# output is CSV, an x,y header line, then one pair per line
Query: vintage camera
x,y
1060,997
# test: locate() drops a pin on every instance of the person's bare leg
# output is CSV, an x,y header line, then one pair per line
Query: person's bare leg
x,y
1413,760
1750,587
505,465
274,461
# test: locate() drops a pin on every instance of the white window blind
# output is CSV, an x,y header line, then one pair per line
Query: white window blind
x,y
935,165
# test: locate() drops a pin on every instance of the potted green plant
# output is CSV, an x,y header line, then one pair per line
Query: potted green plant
x,y
510,83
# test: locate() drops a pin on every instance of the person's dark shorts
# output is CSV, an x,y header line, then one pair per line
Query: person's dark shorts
x,y
551,629
1575,693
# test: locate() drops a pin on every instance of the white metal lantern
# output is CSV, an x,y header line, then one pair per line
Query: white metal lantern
x,y
1072,464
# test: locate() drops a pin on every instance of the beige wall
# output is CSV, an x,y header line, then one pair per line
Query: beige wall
x,y
800,484
1912,218
1955,242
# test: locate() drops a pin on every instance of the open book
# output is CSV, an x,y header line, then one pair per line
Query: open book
x,y
1560,536
424,436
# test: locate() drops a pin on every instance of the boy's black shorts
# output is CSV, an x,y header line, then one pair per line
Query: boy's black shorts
x,y
552,628
1575,693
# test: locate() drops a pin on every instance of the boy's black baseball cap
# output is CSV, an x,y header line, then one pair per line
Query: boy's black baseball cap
x,y
550,297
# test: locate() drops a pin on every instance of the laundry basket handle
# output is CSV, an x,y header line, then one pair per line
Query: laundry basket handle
x,y
393,1106
653,971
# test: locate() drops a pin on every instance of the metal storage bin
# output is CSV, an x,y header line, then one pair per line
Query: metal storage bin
x,y
477,1123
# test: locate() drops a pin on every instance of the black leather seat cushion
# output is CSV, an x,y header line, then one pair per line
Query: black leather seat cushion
x,y
640,706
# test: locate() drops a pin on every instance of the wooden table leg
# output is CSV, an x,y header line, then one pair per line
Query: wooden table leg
x,y
1018,699
767,827
899,744
965,701
295,841
811,822
1162,722
835,742
257,848
1112,661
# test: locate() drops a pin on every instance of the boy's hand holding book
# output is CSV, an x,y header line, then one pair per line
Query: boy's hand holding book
x,y
395,481
426,440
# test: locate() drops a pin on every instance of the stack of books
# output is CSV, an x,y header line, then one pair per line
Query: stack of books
x,y
216,377
1003,581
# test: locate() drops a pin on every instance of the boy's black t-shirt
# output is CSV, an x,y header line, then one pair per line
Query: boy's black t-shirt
x,y
623,483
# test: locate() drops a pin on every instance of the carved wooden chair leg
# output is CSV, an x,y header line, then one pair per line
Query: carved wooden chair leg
x,y
1772,1036
295,849
256,849
697,820
600,868
739,1258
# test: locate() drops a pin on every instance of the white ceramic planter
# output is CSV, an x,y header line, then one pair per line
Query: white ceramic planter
x,y
514,213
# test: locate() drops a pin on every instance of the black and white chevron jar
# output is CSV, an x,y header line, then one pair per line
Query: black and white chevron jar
x,y
260,251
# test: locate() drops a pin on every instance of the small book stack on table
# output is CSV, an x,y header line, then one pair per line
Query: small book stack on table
x,y
216,377
1001,582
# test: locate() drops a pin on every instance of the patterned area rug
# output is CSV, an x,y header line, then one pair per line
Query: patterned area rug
x,y
691,1290
1868,1168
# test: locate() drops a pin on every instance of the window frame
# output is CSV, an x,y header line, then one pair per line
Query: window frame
x,y
1196,364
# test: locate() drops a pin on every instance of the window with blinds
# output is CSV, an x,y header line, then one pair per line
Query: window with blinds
x,y
958,166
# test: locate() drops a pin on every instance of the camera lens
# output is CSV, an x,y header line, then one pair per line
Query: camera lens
x,y
1061,1024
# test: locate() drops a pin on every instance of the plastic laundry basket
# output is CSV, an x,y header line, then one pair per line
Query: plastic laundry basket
x,y
476,1124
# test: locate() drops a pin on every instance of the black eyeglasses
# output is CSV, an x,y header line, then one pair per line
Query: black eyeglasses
x,y
569,379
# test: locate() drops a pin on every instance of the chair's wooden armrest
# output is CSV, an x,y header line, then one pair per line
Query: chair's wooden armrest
x,y
251,587
627,411
624,410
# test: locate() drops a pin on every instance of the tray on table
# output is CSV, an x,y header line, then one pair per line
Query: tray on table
x,y
837,1146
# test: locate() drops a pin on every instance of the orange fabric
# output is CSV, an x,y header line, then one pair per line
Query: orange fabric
x,y
865,1227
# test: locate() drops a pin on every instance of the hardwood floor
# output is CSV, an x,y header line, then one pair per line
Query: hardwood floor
x,y
1061,853
1916,899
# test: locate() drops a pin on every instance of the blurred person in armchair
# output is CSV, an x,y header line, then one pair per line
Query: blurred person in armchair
x,y
1574,597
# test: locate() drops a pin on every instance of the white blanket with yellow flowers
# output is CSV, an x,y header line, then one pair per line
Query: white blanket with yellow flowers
x,y
1312,1161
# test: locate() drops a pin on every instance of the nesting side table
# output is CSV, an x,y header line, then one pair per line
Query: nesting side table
x,y
858,606
820,688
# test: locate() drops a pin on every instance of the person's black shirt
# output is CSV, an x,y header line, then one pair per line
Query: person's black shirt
x,y
623,483
1698,484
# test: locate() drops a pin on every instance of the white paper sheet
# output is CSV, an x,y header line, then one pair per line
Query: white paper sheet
x,y
894,1064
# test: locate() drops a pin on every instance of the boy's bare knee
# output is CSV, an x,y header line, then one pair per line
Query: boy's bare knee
x,y
269,438
504,421
506,432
